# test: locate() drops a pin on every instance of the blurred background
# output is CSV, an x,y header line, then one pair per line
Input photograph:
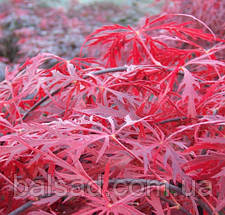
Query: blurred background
x,y
28,27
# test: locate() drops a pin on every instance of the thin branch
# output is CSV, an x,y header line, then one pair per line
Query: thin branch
x,y
177,119
173,120
21,208
42,101
100,72
105,71
179,207
127,181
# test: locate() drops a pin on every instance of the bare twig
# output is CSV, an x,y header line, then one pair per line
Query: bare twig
x,y
105,71
173,120
176,119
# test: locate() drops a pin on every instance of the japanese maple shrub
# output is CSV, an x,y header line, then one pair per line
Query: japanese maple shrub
x,y
137,127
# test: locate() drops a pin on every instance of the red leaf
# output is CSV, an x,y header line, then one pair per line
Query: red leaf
x,y
189,83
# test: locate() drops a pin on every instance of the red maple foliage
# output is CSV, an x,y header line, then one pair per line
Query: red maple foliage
x,y
137,126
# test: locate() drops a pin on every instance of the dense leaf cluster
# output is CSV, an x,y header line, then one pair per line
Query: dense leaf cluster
x,y
133,125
